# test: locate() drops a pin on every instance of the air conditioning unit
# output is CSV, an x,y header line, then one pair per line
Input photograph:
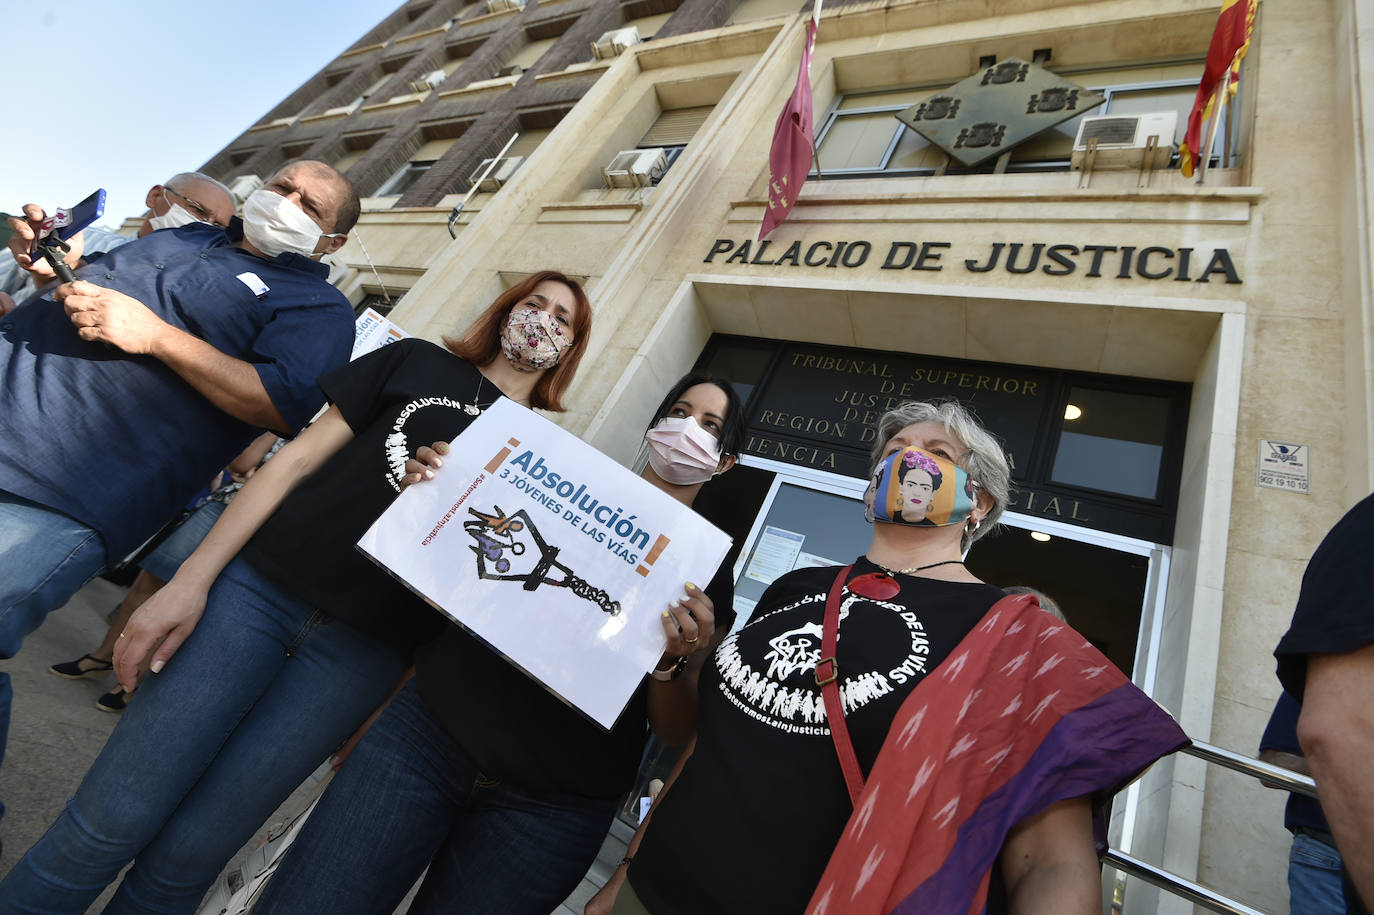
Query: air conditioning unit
x,y
244,185
500,6
430,80
499,175
613,42
636,167
1123,139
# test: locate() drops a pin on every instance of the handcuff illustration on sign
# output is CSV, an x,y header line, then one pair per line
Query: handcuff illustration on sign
x,y
497,535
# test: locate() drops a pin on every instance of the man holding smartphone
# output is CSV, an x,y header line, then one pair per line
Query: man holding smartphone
x,y
124,391
180,200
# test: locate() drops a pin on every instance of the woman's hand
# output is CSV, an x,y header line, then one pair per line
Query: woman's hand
x,y
688,623
428,459
168,617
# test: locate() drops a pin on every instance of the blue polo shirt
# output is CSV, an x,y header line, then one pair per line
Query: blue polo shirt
x,y
121,442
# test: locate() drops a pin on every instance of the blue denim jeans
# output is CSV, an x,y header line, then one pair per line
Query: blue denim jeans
x,y
263,690
45,558
1314,878
408,796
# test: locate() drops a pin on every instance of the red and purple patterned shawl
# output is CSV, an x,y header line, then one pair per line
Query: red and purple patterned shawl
x,y
1022,714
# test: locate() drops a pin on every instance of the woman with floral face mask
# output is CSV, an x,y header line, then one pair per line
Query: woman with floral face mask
x,y
896,734
477,772
298,637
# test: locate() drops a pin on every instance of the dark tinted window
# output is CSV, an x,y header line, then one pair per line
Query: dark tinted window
x,y
1114,443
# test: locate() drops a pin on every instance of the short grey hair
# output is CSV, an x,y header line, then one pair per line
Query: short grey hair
x,y
1047,603
179,181
984,460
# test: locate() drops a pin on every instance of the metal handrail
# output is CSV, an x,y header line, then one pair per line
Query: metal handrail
x,y
1273,776
1196,893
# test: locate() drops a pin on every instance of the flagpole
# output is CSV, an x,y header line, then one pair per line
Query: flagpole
x,y
1218,109
815,30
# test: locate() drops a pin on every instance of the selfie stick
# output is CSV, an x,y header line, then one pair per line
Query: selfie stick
x,y
52,249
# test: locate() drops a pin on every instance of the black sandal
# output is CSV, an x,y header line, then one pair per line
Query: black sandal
x,y
72,670
113,701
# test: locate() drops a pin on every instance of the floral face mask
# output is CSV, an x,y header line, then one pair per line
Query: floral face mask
x,y
916,487
533,340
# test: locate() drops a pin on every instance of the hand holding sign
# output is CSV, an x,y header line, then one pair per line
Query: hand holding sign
x,y
555,555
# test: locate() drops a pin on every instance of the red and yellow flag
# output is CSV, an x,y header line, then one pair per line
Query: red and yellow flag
x,y
1230,41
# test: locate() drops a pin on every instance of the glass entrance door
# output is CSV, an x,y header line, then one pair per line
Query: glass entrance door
x,y
1101,591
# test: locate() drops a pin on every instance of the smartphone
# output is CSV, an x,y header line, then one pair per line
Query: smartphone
x,y
70,221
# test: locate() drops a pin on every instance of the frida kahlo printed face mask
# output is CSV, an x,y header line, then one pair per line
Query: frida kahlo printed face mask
x,y
913,486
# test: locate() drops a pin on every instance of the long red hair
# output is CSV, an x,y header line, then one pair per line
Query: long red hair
x,y
481,343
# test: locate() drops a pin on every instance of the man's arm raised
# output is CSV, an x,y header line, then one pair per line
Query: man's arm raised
x,y
106,316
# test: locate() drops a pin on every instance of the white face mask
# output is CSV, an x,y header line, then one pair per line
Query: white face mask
x,y
275,225
681,452
175,217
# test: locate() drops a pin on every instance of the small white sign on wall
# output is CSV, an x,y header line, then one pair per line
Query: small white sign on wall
x,y
1283,465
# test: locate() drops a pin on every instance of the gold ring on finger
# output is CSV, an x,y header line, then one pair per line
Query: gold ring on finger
x,y
693,641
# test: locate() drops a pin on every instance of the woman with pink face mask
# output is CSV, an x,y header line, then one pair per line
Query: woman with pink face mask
x,y
297,636
478,773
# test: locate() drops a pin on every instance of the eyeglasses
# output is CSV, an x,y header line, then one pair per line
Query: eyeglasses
x,y
195,209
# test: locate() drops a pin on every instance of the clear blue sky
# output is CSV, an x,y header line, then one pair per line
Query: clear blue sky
x,y
148,88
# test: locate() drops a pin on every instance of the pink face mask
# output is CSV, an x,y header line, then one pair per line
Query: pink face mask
x,y
532,339
681,452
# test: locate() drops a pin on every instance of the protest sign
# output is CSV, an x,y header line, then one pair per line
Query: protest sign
x,y
372,331
554,554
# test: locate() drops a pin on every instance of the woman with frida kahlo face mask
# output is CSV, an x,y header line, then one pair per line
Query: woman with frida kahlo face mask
x,y
298,637
896,734
477,772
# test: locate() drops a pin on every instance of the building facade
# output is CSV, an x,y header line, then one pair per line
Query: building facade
x,y
1212,337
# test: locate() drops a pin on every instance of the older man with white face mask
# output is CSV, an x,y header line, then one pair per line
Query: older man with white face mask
x,y
128,388
183,199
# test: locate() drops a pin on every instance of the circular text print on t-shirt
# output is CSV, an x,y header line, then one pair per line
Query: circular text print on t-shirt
x,y
427,424
767,669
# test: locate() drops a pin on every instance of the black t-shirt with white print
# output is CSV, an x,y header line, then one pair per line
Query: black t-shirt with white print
x,y
516,731
404,395
764,790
